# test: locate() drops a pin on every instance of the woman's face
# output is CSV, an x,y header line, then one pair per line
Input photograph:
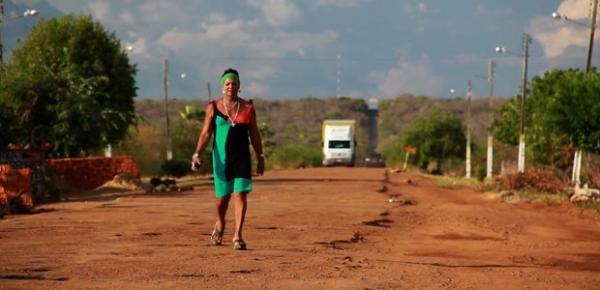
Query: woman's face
x,y
231,87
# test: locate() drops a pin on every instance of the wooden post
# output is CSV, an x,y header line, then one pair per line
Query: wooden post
x,y
209,92
468,153
490,141
588,66
405,161
521,160
166,88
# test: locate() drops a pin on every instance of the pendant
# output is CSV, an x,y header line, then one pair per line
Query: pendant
x,y
232,124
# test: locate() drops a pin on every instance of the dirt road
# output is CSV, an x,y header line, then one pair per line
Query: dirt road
x,y
327,228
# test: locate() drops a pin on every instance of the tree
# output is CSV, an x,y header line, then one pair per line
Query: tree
x,y
73,76
185,136
573,106
192,113
267,138
563,109
544,138
7,125
506,124
437,136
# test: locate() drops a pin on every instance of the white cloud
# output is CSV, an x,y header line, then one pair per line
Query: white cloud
x,y
63,6
556,40
256,89
100,10
226,34
242,38
217,17
559,38
575,9
280,43
408,77
482,10
239,43
416,8
140,49
277,12
467,58
126,17
340,3
263,72
158,11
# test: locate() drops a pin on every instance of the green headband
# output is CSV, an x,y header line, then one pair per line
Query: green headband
x,y
229,76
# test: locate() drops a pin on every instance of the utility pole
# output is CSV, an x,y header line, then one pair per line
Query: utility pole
x,y
1,30
468,157
576,176
521,160
339,57
209,92
592,30
490,139
166,84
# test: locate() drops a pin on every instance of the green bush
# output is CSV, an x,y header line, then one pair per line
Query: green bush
x,y
296,156
175,167
480,172
438,136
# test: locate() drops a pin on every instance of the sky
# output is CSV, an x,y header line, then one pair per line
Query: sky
x,y
286,49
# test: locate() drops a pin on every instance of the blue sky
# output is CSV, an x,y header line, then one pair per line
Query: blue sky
x,y
293,49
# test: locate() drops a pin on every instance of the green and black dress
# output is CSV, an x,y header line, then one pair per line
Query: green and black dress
x,y
232,168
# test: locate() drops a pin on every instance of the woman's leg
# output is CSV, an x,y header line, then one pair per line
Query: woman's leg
x,y
240,214
221,205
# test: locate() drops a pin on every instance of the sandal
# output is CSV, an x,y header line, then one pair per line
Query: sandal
x,y
239,245
216,237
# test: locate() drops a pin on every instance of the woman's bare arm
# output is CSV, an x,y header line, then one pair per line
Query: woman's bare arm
x,y
256,141
205,134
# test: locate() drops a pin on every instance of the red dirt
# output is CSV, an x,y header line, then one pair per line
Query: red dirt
x,y
323,228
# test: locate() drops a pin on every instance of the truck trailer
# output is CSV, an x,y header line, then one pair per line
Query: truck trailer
x,y
339,142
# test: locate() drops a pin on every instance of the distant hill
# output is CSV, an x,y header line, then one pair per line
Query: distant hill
x,y
397,114
299,121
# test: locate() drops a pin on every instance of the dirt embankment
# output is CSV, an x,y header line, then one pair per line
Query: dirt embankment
x,y
327,228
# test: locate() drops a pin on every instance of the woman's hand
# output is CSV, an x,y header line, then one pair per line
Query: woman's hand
x,y
196,162
260,166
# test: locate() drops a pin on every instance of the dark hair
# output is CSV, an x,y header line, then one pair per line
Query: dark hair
x,y
230,70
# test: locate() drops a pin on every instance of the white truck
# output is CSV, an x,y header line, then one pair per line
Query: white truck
x,y
339,142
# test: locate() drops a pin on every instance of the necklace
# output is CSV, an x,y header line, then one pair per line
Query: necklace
x,y
232,120
233,104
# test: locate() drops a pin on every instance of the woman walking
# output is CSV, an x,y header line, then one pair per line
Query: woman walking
x,y
232,121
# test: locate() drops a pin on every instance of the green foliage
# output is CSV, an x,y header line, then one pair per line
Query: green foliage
x,y
8,123
296,156
573,106
184,135
146,145
437,136
192,113
52,189
506,124
563,109
480,172
176,167
73,76
384,104
335,115
267,138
